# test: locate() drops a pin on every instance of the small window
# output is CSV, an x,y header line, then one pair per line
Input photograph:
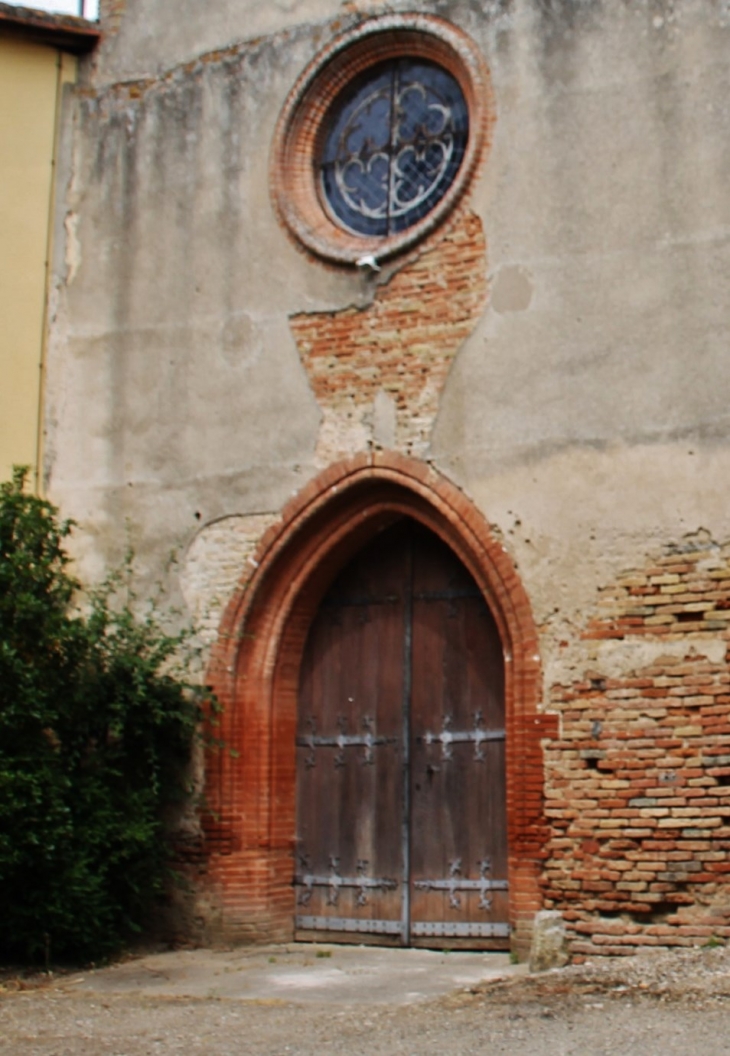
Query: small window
x,y
380,137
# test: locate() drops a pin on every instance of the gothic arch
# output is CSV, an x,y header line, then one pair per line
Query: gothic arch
x,y
254,671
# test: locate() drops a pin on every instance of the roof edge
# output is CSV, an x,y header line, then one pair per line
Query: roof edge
x,y
66,32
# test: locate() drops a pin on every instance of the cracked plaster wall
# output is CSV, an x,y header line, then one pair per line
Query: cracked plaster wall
x,y
586,412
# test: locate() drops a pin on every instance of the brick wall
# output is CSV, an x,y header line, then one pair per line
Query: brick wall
x,y
638,785
399,348
212,567
254,671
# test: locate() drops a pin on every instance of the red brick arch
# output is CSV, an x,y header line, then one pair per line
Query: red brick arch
x,y
255,671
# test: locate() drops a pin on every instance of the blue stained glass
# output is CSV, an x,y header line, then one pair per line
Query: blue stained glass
x,y
395,140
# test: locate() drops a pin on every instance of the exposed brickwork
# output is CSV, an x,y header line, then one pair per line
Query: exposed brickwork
x,y
255,670
212,566
638,785
402,345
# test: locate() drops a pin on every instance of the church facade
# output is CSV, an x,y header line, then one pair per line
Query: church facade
x,y
405,326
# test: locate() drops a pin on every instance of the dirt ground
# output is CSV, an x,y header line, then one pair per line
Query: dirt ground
x,y
658,1004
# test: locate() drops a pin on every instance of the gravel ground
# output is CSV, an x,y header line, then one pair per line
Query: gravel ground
x,y
660,1003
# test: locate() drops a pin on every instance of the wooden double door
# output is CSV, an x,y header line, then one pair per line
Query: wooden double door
x,y
401,813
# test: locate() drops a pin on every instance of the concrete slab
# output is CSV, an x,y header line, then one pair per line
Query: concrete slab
x,y
299,973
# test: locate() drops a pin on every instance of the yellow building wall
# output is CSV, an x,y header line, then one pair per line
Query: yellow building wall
x,y
31,79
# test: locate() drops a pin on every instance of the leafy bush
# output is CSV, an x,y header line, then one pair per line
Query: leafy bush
x,y
97,716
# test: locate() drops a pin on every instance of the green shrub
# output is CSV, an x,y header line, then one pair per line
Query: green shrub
x,y
97,717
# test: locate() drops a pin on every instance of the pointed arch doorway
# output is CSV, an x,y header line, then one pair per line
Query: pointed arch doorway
x,y
401,808
251,826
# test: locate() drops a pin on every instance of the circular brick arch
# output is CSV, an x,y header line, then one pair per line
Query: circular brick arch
x,y
254,671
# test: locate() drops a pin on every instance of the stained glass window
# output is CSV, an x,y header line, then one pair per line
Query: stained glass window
x,y
395,140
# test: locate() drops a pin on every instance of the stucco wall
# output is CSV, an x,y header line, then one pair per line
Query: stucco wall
x,y
586,413
142,39
586,407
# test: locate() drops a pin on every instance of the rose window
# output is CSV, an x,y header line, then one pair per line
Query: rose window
x,y
380,137
395,141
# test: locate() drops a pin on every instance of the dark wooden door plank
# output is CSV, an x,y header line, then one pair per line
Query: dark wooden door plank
x,y
401,752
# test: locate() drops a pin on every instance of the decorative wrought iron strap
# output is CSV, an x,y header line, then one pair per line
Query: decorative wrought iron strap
x,y
453,594
341,601
447,737
367,740
335,881
457,929
349,924
455,882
